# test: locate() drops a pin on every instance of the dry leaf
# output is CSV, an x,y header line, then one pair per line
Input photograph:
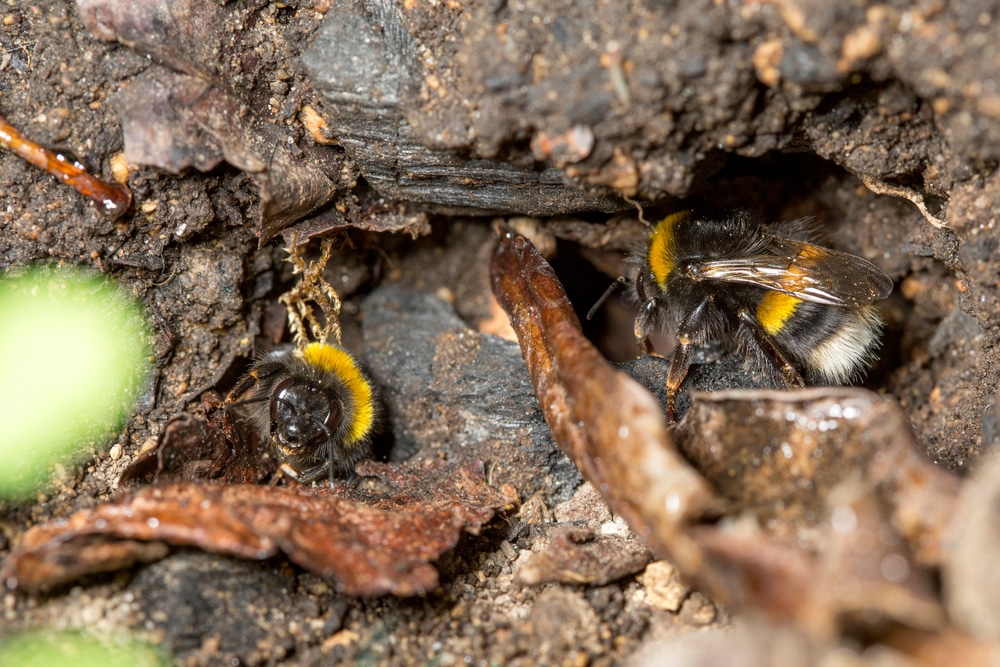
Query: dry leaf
x,y
626,451
193,448
780,454
368,542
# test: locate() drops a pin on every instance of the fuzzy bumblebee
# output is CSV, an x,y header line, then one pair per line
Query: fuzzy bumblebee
x,y
768,292
316,406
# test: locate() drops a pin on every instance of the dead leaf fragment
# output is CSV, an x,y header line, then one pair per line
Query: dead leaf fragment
x,y
578,556
780,454
362,213
175,121
209,447
572,382
367,541
183,114
868,568
182,34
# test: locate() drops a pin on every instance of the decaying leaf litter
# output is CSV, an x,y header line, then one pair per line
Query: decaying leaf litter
x,y
365,543
197,234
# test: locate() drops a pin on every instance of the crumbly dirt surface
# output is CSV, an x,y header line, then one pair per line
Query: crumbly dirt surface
x,y
776,107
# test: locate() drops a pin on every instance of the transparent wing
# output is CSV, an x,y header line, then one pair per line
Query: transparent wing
x,y
806,271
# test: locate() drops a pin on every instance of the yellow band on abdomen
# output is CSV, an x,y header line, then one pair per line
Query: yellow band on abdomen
x,y
775,309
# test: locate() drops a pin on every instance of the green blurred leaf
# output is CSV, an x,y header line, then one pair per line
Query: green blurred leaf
x,y
73,356
61,649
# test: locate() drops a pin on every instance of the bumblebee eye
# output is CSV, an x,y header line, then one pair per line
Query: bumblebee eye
x,y
333,417
277,396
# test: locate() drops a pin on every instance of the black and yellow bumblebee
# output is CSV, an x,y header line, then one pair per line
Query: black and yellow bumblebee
x,y
315,405
769,292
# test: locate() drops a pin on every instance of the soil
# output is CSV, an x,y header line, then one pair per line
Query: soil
x,y
781,108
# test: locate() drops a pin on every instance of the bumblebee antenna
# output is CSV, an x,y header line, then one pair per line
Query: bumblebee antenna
x,y
607,294
247,401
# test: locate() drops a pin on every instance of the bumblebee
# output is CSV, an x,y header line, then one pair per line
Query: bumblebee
x,y
769,292
316,406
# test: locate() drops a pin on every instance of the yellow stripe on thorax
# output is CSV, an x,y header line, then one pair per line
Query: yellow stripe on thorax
x,y
775,309
661,247
341,364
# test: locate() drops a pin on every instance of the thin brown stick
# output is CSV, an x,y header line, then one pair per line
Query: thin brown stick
x,y
114,198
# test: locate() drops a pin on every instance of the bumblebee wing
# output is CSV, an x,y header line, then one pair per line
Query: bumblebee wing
x,y
809,272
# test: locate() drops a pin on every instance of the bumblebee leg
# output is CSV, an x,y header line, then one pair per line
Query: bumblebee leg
x,y
242,387
284,470
680,361
771,352
641,329
309,475
244,384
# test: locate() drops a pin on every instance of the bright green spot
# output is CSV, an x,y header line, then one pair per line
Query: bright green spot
x,y
73,356
48,649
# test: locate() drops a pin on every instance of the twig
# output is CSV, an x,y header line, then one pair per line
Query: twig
x,y
115,198
883,188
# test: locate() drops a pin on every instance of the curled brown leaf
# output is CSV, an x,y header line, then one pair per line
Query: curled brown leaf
x,y
368,542
211,447
626,452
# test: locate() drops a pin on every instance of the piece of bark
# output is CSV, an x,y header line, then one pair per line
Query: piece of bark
x,y
364,61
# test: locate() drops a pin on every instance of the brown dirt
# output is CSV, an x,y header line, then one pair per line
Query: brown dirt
x,y
778,107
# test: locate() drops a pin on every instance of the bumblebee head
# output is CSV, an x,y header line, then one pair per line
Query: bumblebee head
x,y
303,415
315,406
